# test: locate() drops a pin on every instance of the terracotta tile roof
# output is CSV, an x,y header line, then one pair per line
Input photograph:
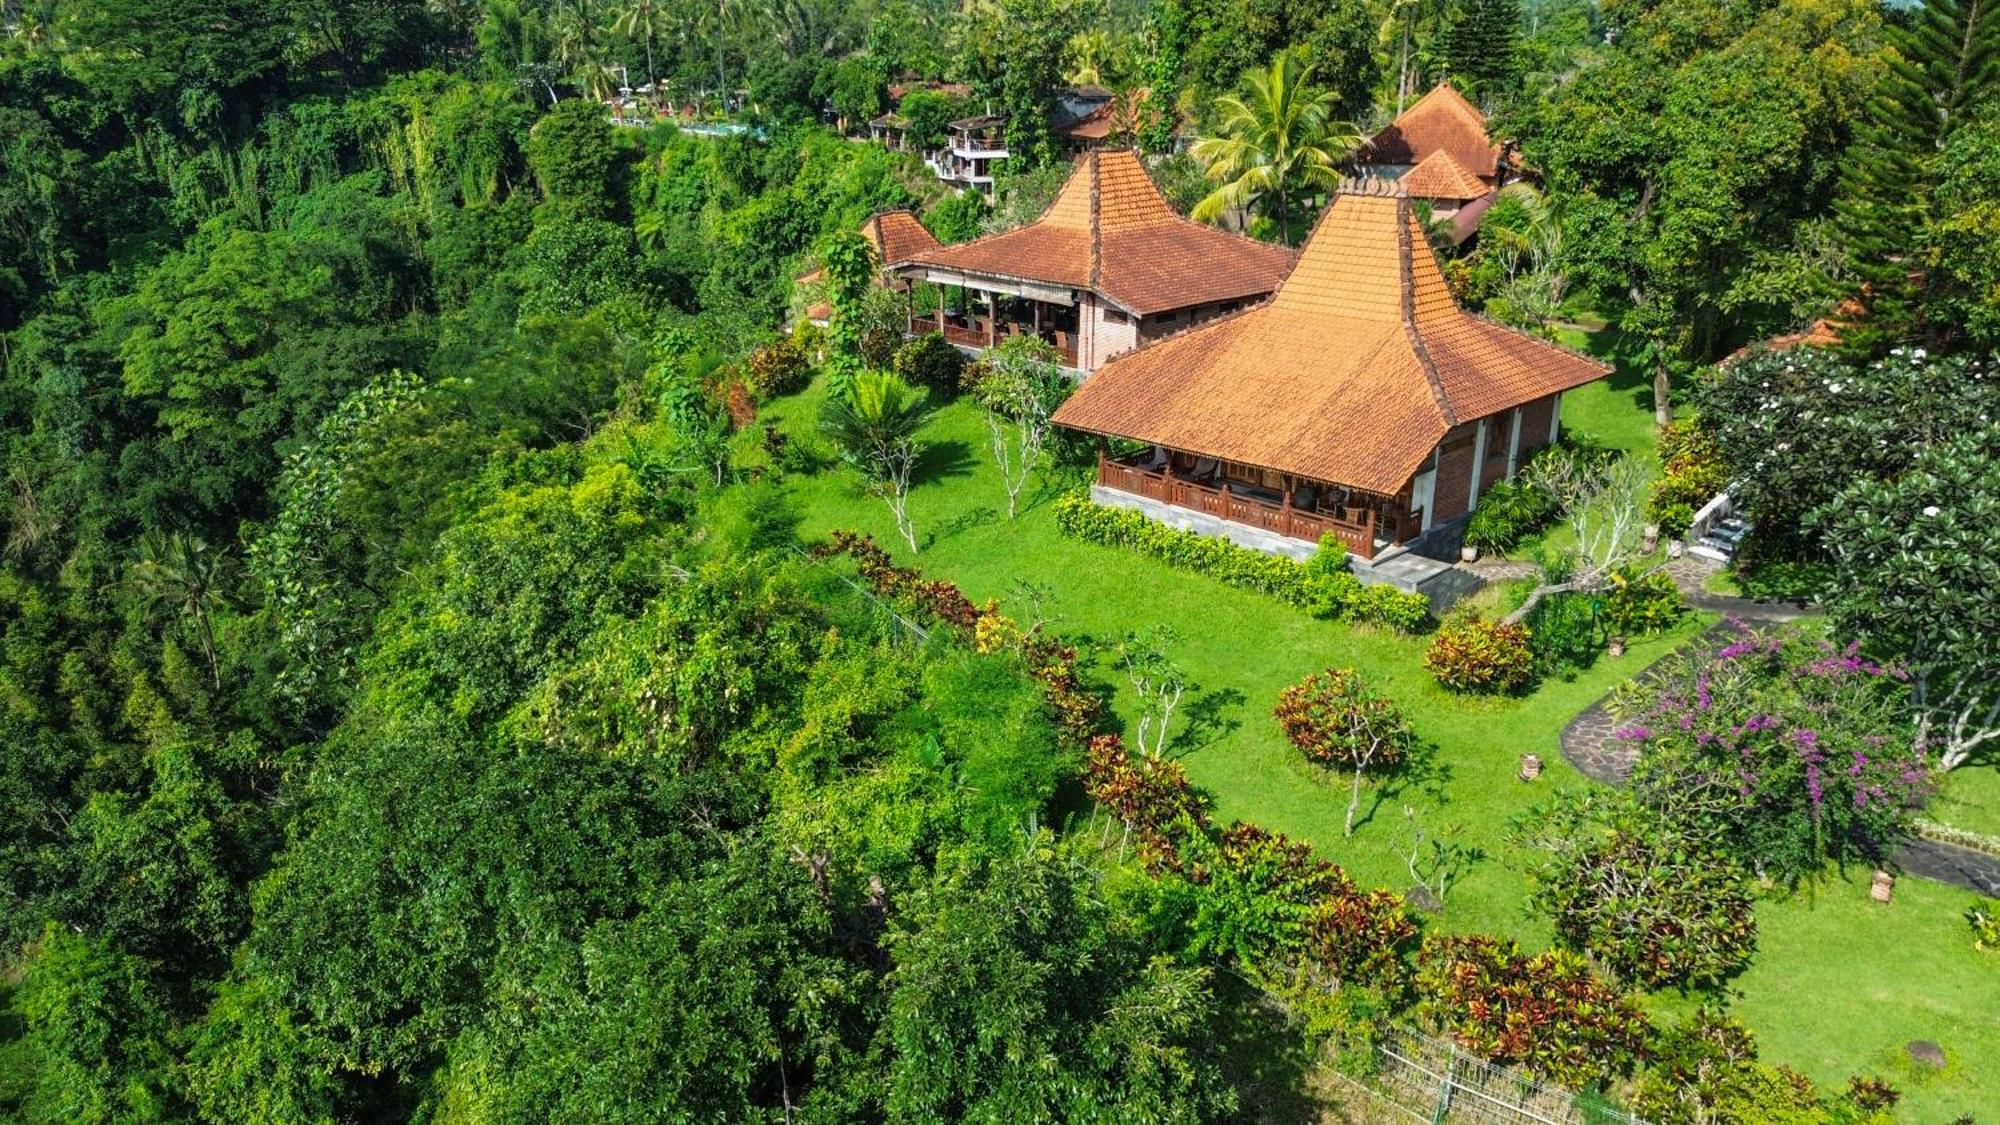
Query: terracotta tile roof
x,y
1441,176
1465,220
1111,231
1441,120
897,236
1351,373
1821,333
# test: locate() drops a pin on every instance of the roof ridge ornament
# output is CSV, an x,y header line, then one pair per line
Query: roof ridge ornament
x,y
1385,187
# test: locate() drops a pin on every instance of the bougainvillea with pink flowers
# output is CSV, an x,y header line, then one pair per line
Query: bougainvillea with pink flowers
x,y
1781,748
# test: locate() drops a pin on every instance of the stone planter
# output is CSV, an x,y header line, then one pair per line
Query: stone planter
x,y
1615,647
1649,539
1883,887
1531,767
1674,549
1468,554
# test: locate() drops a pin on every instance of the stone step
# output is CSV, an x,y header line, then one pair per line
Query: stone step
x,y
1702,550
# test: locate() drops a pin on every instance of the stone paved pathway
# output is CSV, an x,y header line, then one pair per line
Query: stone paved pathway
x,y
1587,743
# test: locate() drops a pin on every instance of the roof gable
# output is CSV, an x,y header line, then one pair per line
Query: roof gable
x,y
1441,176
1352,372
897,236
1441,120
1111,231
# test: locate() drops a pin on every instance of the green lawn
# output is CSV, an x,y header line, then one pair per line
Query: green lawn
x,y
1969,797
1242,649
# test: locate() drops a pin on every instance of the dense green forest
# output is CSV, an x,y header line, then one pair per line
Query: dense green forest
x,y
419,701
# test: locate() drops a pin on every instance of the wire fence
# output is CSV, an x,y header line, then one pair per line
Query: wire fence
x,y
1433,1080
904,628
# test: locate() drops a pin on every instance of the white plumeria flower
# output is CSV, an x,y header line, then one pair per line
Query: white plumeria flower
x,y
1932,510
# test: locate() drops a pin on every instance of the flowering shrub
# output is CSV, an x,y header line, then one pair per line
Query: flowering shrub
x,y
1650,905
1547,1012
1646,604
780,367
1787,750
1472,654
1323,591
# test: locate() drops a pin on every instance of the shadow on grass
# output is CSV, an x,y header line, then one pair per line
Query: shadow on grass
x,y
974,517
1263,1057
1212,715
942,460
1422,777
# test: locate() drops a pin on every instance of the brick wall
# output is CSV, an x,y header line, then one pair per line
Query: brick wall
x,y
1535,425
1454,474
1103,337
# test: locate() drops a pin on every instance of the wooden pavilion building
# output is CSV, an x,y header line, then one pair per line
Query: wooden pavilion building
x,y
1108,267
1359,401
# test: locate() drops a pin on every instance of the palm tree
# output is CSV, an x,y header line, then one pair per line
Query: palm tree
x,y
1277,135
635,21
875,425
177,575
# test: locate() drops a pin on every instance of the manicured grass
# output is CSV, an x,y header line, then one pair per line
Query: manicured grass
x,y
1969,797
1914,959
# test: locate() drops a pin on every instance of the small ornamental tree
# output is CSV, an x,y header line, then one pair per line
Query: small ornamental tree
x,y
1650,904
1471,654
1336,721
1157,679
1020,384
1785,751
1547,1012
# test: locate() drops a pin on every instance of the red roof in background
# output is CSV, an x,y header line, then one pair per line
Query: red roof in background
x,y
1441,120
1111,231
1351,373
897,236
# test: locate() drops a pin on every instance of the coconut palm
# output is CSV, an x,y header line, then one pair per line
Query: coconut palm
x,y
875,425
635,20
1276,138
176,575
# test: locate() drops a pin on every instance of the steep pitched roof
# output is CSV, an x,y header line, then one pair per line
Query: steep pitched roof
x,y
897,236
1441,120
1351,372
1110,230
1441,176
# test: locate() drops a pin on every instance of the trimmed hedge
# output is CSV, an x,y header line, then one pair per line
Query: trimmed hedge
x,y
1323,591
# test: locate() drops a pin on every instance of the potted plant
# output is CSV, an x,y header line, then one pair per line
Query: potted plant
x,y
1468,553
1649,538
1615,646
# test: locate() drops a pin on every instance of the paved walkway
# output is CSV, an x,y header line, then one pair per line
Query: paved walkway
x,y
1587,743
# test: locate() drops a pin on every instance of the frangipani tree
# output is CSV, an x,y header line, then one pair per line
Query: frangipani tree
x,y
1020,383
1605,509
1276,138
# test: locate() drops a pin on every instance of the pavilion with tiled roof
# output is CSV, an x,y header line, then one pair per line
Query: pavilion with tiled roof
x,y
1358,401
892,236
1441,151
1107,267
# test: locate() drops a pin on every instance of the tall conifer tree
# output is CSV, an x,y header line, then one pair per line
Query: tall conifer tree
x,y
1947,64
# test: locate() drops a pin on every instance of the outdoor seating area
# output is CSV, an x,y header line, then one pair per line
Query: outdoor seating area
x,y
1293,507
1006,318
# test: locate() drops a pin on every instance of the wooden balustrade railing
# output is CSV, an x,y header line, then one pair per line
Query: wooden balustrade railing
x,y
1296,523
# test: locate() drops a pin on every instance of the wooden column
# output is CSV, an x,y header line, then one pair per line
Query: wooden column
x,y
1285,516
992,319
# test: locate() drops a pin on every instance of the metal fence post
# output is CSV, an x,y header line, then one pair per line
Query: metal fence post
x,y
1447,1087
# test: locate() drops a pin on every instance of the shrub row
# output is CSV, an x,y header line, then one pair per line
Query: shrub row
x,y
1322,587
1267,901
